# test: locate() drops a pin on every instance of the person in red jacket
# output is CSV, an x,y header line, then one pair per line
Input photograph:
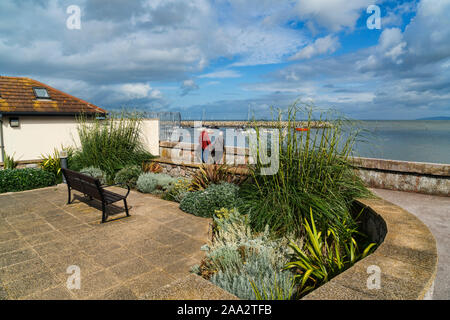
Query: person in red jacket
x,y
204,141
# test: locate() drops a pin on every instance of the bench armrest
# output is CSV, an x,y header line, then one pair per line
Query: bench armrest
x,y
117,184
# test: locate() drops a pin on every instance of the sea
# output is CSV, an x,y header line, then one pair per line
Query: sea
x,y
408,140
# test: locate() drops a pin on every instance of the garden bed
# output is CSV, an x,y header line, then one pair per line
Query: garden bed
x,y
406,258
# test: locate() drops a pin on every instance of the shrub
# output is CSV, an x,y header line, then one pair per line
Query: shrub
x,y
52,163
146,183
25,179
214,174
111,144
177,190
74,159
152,167
323,256
314,172
244,263
95,173
216,196
163,181
128,175
9,162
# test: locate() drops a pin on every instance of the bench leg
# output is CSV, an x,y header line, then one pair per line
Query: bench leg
x,y
103,212
68,200
126,207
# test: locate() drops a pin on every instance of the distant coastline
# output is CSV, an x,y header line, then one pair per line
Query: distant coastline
x,y
435,118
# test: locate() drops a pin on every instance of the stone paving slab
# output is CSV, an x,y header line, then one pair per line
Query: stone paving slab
x,y
191,287
125,258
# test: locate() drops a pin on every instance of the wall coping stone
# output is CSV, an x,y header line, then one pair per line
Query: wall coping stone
x,y
421,168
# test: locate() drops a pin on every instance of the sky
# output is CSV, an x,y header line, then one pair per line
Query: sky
x,y
226,59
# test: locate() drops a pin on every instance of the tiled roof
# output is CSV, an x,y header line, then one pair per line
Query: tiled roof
x,y
17,96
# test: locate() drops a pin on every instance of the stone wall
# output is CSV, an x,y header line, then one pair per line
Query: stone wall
x,y
176,170
421,177
427,178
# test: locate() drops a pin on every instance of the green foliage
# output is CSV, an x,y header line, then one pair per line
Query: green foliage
x,y
314,172
163,181
323,256
95,173
158,183
9,162
128,175
25,179
110,144
146,183
216,196
209,174
244,263
177,190
52,163
277,292
73,159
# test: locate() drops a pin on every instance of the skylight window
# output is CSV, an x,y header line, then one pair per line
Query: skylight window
x,y
41,93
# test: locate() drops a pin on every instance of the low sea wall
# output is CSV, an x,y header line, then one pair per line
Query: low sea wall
x,y
421,177
427,178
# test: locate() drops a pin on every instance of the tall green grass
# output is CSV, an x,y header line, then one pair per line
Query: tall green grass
x,y
315,173
110,144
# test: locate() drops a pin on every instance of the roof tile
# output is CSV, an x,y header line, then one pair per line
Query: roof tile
x,y
17,96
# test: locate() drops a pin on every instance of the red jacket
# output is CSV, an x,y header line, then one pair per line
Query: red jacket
x,y
204,139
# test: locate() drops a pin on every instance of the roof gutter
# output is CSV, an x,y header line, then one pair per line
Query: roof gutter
x,y
60,114
2,144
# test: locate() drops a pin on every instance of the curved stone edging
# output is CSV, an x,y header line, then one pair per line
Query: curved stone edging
x,y
407,258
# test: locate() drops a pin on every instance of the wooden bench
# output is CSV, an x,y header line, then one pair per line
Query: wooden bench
x,y
93,189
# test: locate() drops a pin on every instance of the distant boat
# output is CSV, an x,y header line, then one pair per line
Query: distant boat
x,y
301,129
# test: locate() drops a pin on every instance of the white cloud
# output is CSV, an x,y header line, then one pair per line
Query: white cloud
x,y
258,45
392,45
188,86
135,90
333,15
328,44
221,74
212,83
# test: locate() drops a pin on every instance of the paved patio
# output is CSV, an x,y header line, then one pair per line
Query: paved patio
x,y
128,258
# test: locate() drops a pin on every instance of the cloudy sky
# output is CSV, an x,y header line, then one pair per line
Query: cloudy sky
x,y
222,58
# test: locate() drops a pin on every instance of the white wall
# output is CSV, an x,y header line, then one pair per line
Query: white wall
x,y
150,132
40,135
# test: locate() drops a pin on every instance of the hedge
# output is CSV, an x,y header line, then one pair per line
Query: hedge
x,y
25,179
